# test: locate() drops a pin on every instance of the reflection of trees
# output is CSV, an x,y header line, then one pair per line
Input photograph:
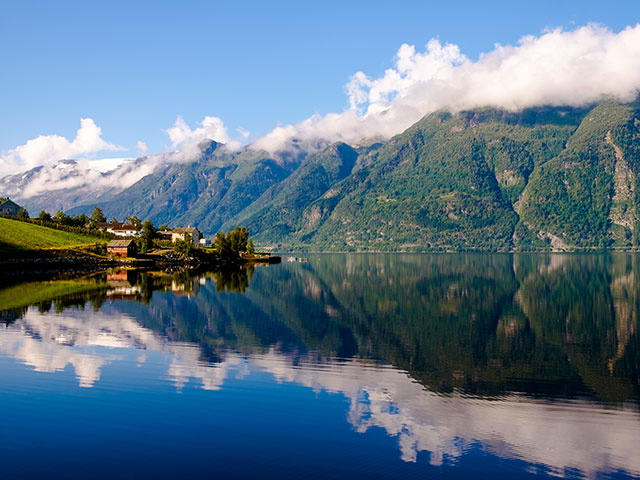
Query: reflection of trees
x,y
586,306
469,322
484,324
232,280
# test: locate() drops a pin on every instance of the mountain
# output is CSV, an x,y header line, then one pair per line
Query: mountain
x,y
206,192
543,178
68,183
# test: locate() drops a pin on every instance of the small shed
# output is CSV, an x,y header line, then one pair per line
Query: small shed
x,y
122,248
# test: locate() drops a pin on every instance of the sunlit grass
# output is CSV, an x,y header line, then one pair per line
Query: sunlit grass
x,y
17,235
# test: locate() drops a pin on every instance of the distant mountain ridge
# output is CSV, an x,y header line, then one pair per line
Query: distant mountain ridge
x,y
544,178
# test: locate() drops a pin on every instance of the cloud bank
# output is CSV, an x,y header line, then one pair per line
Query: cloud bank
x,y
559,67
568,68
47,149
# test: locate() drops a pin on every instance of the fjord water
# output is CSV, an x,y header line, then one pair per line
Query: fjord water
x,y
345,366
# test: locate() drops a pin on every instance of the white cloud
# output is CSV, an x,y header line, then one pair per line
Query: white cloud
x,y
47,149
559,67
186,139
211,127
244,134
142,147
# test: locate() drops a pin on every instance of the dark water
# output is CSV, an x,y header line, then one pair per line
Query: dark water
x,y
347,366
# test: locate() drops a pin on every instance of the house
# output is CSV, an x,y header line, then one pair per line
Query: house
x,y
166,235
180,233
106,226
124,231
9,208
122,248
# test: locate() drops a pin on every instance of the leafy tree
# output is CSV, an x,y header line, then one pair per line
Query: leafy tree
x,y
81,220
238,238
184,246
97,216
221,244
44,216
134,220
148,232
233,242
164,228
61,218
23,214
250,248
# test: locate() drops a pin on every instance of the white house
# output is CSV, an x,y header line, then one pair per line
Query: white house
x,y
180,232
124,231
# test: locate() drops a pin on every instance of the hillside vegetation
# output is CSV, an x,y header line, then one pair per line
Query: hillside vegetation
x,y
16,235
547,178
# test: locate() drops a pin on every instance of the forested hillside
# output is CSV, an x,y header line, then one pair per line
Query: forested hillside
x,y
544,178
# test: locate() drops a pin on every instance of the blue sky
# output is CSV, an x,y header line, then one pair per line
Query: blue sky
x,y
134,66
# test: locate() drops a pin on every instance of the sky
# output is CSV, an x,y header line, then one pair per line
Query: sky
x,y
143,76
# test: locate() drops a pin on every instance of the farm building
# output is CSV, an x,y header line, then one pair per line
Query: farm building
x,y
9,208
122,248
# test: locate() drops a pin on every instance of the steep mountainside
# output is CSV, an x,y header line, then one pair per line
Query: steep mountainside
x,y
543,178
448,182
204,193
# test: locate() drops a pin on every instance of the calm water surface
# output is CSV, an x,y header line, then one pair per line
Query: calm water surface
x,y
346,366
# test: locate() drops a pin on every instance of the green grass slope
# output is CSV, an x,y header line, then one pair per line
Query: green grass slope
x,y
20,236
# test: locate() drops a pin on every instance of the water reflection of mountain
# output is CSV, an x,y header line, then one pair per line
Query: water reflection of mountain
x,y
483,333
552,325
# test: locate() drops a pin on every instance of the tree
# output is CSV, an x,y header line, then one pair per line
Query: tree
x,y
134,220
97,216
148,232
44,216
81,220
23,214
233,242
250,248
61,218
184,246
238,238
115,220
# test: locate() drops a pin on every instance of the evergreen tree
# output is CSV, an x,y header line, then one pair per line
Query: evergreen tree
x,y
97,216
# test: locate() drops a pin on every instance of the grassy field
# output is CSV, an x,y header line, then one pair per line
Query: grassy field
x,y
35,292
17,236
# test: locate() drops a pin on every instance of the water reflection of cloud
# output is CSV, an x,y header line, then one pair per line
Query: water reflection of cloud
x,y
563,436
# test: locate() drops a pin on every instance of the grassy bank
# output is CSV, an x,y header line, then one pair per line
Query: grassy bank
x,y
16,236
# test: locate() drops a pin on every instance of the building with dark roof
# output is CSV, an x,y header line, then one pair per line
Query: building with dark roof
x,y
9,207
122,248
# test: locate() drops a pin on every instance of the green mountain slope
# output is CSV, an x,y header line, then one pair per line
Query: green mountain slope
x,y
449,182
586,196
205,192
283,205
544,178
